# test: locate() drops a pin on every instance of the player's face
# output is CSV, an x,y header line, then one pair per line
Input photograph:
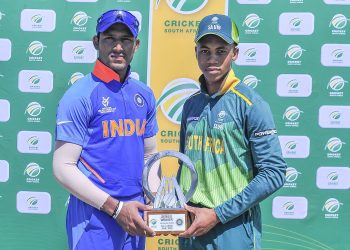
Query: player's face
x,y
116,47
214,58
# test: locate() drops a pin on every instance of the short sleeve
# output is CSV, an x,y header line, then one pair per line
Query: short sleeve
x,y
72,119
151,125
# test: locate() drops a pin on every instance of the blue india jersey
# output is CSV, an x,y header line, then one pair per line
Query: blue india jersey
x,y
110,120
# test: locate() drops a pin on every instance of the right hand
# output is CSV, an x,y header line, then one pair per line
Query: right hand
x,y
131,221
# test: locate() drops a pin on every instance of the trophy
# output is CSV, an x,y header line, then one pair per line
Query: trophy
x,y
168,215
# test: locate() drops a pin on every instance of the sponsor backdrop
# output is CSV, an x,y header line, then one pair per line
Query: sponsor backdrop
x,y
295,53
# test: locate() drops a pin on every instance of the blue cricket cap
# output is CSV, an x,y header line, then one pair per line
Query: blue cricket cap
x,y
218,25
111,17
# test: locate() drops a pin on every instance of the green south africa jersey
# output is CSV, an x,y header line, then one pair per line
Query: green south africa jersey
x,y
230,137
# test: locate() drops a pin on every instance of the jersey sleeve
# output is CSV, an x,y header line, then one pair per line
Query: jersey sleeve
x,y
269,166
72,118
151,125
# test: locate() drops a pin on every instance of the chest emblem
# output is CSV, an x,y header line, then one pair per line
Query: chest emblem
x,y
218,124
106,108
139,101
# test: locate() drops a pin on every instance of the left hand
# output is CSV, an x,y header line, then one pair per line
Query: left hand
x,y
204,220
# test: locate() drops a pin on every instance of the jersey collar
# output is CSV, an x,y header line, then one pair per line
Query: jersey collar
x,y
230,82
105,73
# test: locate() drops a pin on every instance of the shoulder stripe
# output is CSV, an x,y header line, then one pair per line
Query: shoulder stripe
x,y
242,96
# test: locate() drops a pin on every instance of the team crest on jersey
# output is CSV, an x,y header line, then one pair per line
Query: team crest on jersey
x,y
139,101
218,124
106,109
221,115
105,101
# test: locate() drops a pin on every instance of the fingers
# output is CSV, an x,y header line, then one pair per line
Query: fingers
x,y
189,232
148,232
190,209
142,206
140,228
132,222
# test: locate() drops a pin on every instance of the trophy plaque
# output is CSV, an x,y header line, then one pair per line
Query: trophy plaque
x,y
168,215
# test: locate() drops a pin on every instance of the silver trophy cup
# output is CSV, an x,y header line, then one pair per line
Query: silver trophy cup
x,y
168,215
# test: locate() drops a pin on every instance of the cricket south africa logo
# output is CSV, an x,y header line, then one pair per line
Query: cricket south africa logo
x,y
173,97
293,84
333,178
289,207
34,80
35,49
295,146
336,85
295,22
338,23
80,20
253,54
293,54
250,53
33,142
331,208
252,22
33,110
335,55
185,6
75,77
292,115
291,177
32,171
33,202
338,54
37,19
335,115
78,51
334,146
251,81
291,145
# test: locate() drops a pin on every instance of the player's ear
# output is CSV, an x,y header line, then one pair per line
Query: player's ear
x,y
235,53
137,44
95,41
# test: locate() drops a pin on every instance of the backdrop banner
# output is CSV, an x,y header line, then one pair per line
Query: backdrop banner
x,y
294,53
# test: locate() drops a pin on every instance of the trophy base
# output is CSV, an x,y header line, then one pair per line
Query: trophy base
x,y
169,221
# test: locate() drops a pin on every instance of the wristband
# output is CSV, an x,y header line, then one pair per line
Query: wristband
x,y
117,210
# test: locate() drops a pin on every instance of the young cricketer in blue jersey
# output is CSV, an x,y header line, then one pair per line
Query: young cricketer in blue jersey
x,y
106,125
228,132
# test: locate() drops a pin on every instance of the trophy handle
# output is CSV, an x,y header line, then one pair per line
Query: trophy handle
x,y
157,156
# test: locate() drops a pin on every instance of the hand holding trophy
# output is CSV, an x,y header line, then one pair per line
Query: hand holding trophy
x,y
168,215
